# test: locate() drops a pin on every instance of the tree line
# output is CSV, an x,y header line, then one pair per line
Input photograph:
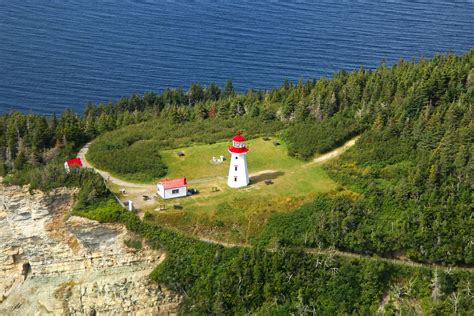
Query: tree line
x,y
215,280
406,188
408,181
411,169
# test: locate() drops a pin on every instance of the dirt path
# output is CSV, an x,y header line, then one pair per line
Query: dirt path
x,y
123,183
126,184
346,254
323,158
259,173
106,175
334,153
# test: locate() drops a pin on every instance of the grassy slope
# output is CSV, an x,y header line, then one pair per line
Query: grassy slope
x,y
133,153
235,215
263,155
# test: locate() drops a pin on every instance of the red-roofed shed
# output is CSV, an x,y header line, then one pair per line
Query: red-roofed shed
x,y
172,188
75,162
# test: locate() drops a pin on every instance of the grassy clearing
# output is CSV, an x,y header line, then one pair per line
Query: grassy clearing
x,y
196,163
237,214
133,153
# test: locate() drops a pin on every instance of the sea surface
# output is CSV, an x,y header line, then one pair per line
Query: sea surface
x,y
63,53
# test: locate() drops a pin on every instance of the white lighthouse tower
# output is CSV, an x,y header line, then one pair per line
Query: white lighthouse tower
x,y
238,171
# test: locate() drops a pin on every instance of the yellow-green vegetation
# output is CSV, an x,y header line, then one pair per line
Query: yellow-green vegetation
x,y
237,214
196,163
133,153
406,189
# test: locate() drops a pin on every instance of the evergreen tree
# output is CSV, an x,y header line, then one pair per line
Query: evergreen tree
x,y
195,93
212,92
20,160
229,89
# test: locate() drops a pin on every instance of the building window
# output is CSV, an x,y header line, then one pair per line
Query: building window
x,y
235,179
236,157
175,191
235,168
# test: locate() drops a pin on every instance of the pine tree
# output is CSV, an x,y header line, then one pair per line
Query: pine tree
x,y
20,160
195,93
229,89
213,92
333,105
12,139
3,168
150,99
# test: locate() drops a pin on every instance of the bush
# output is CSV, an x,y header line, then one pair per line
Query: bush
x,y
133,243
105,211
319,137
48,177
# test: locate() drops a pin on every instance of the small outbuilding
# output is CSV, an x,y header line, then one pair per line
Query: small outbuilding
x,y
172,188
75,162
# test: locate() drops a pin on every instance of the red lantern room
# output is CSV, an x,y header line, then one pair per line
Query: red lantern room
x,y
238,145
238,170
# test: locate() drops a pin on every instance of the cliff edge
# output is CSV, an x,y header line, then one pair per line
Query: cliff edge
x,y
52,264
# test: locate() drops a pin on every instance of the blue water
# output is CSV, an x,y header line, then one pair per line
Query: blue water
x,y
56,54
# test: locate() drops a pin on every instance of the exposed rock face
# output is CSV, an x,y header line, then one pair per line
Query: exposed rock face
x,y
50,265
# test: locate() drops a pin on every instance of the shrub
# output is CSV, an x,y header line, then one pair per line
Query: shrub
x,y
133,243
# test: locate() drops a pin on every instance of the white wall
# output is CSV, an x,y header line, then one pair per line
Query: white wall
x,y
242,174
168,194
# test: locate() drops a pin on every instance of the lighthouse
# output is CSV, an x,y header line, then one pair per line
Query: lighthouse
x,y
238,171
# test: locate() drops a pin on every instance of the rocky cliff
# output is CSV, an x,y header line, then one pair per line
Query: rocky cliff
x,y
52,264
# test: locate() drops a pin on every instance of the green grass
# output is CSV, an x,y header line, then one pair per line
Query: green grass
x,y
234,215
237,214
133,153
105,211
196,163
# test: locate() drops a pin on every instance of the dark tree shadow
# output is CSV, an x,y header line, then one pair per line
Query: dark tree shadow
x,y
268,176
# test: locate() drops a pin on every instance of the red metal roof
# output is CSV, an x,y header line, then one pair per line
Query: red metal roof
x,y
237,150
239,138
74,162
173,183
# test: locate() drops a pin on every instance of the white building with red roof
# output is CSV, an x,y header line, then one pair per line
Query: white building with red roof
x,y
75,162
172,188
238,170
